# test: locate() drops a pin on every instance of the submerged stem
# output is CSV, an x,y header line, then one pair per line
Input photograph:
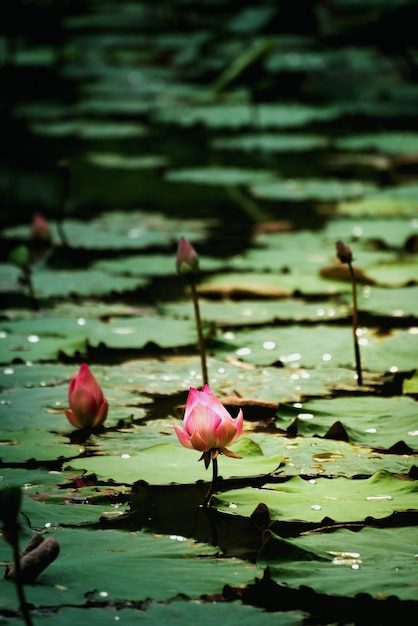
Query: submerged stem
x,y
27,278
213,483
355,315
200,337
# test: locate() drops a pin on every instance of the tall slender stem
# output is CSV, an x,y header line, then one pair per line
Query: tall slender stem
x,y
213,483
355,316
65,192
19,585
200,337
29,283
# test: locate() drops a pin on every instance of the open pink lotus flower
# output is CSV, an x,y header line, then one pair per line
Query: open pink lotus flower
x,y
208,427
87,402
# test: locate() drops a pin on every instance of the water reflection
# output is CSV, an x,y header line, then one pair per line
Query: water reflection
x,y
152,507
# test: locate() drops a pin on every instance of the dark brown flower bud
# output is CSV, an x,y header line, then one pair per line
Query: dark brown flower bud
x,y
344,252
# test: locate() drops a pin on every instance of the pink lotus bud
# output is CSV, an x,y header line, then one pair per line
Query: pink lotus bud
x,y
87,403
207,425
40,230
187,261
344,252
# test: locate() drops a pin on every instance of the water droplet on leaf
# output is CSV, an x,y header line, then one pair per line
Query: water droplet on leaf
x,y
326,457
379,498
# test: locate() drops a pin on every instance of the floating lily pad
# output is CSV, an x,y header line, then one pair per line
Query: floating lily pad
x,y
358,562
91,282
397,201
246,285
219,176
175,612
241,115
397,272
196,570
324,190
43,407
45,338
168,463
349,59
130,384
313,456
323,346
367,420
151,265
40,339
118,230
25,445
387,143
339,499
88,129
391,232
401,303
272,143
119,161
253,312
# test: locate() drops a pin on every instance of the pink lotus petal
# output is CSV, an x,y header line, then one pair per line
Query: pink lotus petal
x,y
229,453
87,403
207,425
225,433
102,414
72,419
183,438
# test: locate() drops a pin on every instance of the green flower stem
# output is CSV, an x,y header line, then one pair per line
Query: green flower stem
x,y
19,585
63,169
27,279
213,483
355,315
201,340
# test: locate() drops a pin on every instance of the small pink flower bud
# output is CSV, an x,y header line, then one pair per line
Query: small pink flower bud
x,y
207,425
187,261
344,252
40,229
87,403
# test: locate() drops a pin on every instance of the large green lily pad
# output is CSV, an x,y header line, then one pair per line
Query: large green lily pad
x,y
118,230
45,338
272,143
170,463
314,456
357,562
241,115
310,190
175,612
339,499
196,569
322,346
368,420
